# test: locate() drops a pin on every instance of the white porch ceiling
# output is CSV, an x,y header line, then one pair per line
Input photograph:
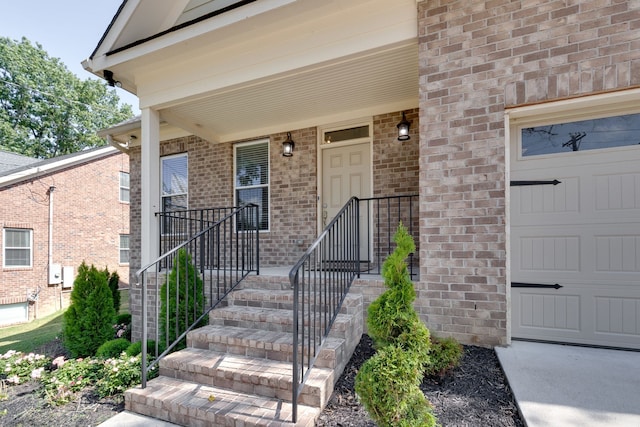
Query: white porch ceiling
x,y
366,85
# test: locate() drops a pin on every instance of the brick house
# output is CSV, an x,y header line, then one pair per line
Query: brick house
x,y
504,98
55,214
482,85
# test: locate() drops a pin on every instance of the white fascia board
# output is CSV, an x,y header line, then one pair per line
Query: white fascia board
x,y
56,165
267,51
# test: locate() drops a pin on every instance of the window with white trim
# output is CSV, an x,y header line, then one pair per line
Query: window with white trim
x,y
124,249
124,187
17,243
175,183
251,183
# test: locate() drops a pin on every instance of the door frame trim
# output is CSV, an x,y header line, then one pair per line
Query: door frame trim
x,y
321,147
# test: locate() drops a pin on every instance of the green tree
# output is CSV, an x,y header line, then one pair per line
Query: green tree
x,y
88,322
45,109
181,300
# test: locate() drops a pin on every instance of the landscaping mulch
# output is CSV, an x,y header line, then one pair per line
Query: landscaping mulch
x,y
474,394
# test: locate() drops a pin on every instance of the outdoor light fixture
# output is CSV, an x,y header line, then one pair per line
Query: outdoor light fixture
x,y
403,129
108,76
287,146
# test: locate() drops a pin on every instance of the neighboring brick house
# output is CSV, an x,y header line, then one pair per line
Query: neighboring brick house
x,y
55,214
504,98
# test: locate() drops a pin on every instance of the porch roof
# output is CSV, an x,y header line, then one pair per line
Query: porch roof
x,y
266,66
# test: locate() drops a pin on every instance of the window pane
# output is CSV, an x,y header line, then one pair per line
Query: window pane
x,y
174,176
256,196
124,241
17,257
17,238
252,165
346,134
124,179
174,203
607,132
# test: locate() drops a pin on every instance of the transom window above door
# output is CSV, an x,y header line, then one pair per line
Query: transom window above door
x,y
583,135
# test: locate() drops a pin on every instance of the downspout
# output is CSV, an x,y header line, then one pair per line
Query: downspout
x,y
51,190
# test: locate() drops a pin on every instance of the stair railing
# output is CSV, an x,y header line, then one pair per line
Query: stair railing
x,y
320,282
219,256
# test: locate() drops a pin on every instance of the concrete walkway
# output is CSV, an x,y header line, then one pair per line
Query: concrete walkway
x,y
561,385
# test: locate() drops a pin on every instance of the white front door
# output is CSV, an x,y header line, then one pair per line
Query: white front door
x,y
582,234
346,172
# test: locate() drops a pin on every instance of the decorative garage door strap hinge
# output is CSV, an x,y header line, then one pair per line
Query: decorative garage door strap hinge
x,y
535,285
521,183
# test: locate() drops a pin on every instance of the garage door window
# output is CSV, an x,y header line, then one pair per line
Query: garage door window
x,y
592,134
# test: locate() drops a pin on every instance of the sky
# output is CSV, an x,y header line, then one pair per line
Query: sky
x,y
66,29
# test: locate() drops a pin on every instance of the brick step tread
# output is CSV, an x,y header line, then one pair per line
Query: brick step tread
x,y
275,319
281,299
272,345
263,377
192,404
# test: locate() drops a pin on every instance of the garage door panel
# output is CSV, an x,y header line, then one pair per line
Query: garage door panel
x,y
579,314
617,192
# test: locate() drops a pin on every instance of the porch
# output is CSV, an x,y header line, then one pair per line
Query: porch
x,y
257,343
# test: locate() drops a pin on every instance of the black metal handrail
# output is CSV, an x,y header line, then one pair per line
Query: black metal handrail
x,y
320,282
382,216
217,258
355,242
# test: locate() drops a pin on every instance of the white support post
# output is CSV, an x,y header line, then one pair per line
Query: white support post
x,y
150,185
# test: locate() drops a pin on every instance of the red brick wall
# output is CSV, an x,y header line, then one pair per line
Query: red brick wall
x,y
88,220
476,59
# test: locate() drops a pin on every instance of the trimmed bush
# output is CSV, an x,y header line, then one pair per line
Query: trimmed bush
x,y
388,384
123,319
181,298
112,348
445,355
114,283
89,320
136,348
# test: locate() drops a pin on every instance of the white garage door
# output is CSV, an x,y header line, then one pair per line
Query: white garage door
x,y
582,234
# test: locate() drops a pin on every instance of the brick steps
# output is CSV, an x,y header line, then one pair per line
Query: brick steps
x,y
192,404
243,359
262,377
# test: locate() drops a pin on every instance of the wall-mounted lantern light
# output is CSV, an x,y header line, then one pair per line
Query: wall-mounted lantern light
x,y
287,146
403,129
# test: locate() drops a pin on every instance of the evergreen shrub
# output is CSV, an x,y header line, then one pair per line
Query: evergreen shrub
x,y
445,355
181,298
388,384
88,322
114,283
112,348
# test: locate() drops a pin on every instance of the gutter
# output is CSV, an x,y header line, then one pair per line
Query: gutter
x,y
54,166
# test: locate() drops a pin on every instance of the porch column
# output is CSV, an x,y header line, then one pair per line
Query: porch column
x,y
150,185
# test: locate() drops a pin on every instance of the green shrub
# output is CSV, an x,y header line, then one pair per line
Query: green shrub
x,y
445,355
113,280
124,318
388,384
119,374
88,322
181,297
388,387
112,348
136,348
71,376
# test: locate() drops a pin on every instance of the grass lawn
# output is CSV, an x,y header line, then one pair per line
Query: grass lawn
x,y
27,337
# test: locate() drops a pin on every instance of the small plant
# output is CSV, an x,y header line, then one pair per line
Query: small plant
x,y
445,355
90,317
182,299
136,348
388,383
71,376
112,348
119,374
17,367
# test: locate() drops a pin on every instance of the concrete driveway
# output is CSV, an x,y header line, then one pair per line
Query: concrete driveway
x,y
561,385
